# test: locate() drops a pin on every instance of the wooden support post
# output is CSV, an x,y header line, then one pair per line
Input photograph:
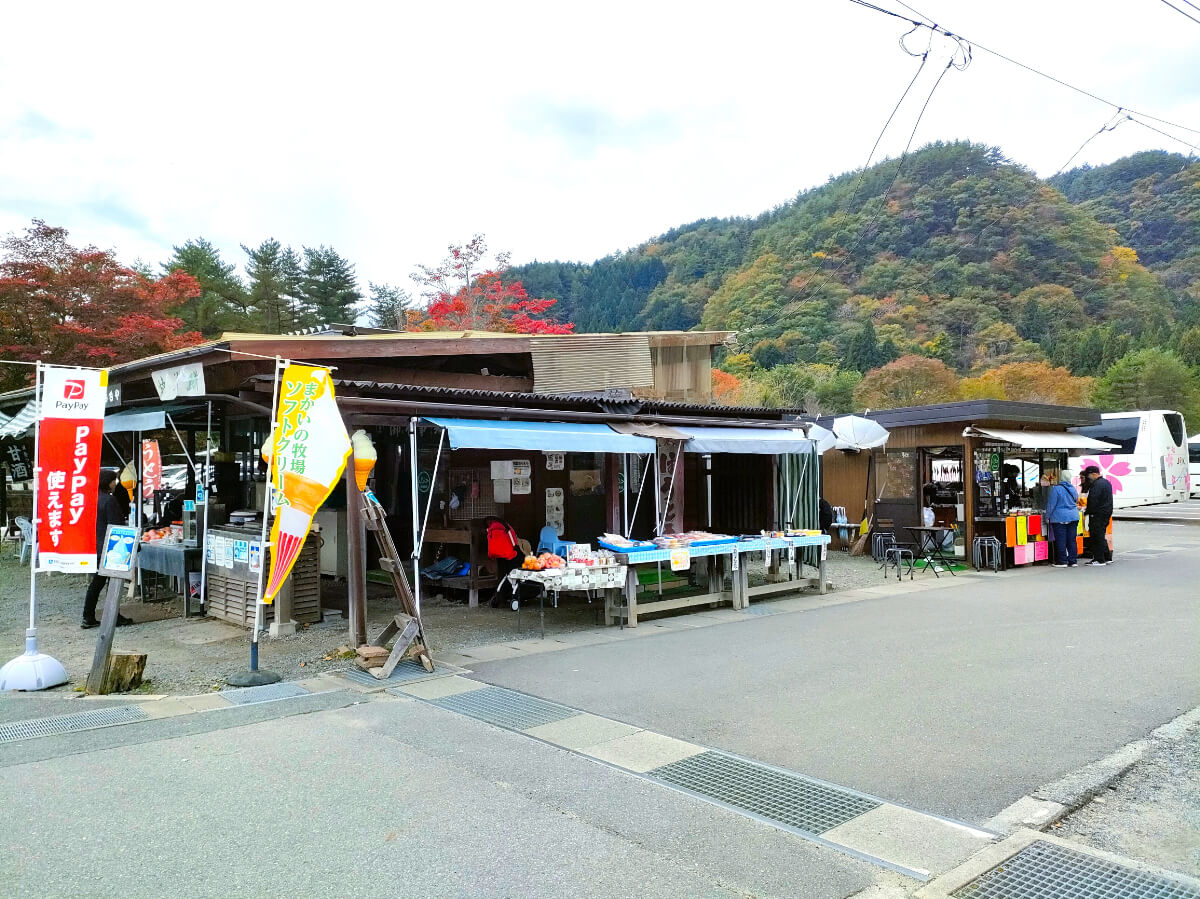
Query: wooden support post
x,y
124,673
356,578
108,623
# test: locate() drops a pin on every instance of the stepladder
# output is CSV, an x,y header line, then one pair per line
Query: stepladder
x,y
405,631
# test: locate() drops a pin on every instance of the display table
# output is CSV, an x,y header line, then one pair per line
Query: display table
x,y
719,559
609,578
172,559
783,563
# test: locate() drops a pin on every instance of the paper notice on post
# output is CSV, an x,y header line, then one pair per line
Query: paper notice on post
x,y
502,471
502,490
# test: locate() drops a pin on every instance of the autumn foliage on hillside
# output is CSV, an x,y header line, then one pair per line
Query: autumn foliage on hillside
x,y
70,306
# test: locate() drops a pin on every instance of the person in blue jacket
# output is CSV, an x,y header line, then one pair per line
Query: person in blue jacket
x,y
1063,516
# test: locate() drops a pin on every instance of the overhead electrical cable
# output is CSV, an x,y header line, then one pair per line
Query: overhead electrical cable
x,y
1110,125
928,22
1181,12
955,62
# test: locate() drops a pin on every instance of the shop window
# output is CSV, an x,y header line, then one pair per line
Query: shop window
x,y
896,471
586,472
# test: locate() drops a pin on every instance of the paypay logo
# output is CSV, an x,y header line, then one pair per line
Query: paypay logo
x,y
73,390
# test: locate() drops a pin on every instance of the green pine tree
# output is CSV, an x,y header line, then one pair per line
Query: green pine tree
x,y
223,303
388,306
328,286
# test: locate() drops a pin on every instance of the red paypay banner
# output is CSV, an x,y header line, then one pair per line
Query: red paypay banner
x,y
70,427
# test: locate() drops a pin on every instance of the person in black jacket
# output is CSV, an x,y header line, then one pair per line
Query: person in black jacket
x,y
108,511
1099,513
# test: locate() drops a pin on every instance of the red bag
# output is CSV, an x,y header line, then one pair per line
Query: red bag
x,y
501,540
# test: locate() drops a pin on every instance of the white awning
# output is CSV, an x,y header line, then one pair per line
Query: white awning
x,y
21,422
1041,440
556,436
760,441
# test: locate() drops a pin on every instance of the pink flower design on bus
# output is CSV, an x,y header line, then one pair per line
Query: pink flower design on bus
x,y
1108,469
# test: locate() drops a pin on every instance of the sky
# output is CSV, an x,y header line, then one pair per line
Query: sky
x,y
558,130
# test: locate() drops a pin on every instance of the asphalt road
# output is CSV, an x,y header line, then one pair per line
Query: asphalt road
x,y
956,701
384,798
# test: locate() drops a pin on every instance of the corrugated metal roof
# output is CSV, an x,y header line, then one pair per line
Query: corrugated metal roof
x,y
617,401
591,362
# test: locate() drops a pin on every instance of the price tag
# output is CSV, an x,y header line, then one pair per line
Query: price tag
x,y
824,550
791,554
681,559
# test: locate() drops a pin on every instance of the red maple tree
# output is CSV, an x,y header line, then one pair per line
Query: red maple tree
x,y
69,306
460,297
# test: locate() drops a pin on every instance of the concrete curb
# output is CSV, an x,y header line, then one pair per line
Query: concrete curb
x,y
1053,801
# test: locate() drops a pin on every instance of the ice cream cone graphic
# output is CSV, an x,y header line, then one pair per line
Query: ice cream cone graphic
x,y
292,523
364,458
129,478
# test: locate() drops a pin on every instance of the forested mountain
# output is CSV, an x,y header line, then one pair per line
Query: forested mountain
x,y
957,254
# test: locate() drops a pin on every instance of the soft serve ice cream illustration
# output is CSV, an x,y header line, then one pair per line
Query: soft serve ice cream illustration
x,y
365,458
306,456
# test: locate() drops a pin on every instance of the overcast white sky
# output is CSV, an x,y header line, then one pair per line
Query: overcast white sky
x,y
559,130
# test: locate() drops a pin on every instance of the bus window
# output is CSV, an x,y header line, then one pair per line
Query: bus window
x,y
1175,425
1122,431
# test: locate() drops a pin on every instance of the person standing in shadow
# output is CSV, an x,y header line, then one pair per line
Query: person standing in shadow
x,y
108,511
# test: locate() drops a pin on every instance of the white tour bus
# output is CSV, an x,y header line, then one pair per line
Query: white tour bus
x,y
1150,463
1194,463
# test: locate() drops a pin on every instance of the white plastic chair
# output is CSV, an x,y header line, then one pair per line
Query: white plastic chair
x,y
25,526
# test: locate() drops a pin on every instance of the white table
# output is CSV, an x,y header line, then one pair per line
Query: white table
x,y
572,579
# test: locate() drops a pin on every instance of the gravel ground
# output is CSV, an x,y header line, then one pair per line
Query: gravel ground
x,y
197,654
1152,813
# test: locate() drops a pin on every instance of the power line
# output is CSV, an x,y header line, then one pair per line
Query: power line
x,y
814,286
1163,133
1181,12
929,23
1110,125
1192,5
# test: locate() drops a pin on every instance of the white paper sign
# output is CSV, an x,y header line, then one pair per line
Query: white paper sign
x,y
182,380
502,490
522,485
521,468
736,560
255,563
555,461
681,559
502,471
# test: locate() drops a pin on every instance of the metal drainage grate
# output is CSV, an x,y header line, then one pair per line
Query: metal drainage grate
x,y
777,796
265,693
407,670
505,708
65,724
1046,871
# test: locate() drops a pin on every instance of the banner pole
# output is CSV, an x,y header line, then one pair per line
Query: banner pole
x,y
416,524
31,634
34,670
268,494
207,499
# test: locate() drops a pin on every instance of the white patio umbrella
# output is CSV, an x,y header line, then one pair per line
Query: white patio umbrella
x,y
825,438
854,432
